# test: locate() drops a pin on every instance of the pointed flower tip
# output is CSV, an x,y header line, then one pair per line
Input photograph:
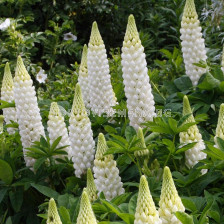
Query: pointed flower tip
x,y
131,19
143,180
54,110
186,106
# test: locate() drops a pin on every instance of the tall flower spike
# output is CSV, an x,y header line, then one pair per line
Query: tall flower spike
x,y
91,186
102,97
7,94
220,126
106,173
222,63
53,216
193,46
80,135
83,77
146,211
193,155
57,128
140,101
86,215
27,111
1,123
170,202
145,151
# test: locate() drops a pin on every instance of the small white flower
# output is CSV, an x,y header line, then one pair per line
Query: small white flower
x,y
5,24
41,76
70,36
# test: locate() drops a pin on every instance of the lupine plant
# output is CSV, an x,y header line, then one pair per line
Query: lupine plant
x,y
7,94
80,135
140,101
102,96
195,154
193,46
57,127
106,173
27,111
83,78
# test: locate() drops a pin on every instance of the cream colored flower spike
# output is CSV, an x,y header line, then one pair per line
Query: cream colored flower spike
x,y
106,173
220,126
27,111
170,202
195,154
86,215
1,123
91,186
140,101
80,135
193,46
145,151
102,97
146,212
83,77
7,94
53,216
57,127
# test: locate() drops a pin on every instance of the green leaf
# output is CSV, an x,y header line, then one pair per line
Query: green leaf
x,y
183,83
121,198
7,175
64,214
209,82
132,204
184,217
38,163
189,204
186,147
129,133
45,191
55,143
128,218
2,194
170,145
16,199
214,152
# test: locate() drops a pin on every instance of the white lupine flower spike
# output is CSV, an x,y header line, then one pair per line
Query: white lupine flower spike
x,y
140,101
222,63
106,173
27,111
7,94
86,215
193,46
220,126
102,97
195,154
170,202
91,186
53,216
57,127
80,135
83,77
1,123
146,211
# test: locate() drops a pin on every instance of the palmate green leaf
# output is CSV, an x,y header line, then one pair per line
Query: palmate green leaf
x,y
121,198
214,152
115,144
170,145
185,127
173,125
55,143
44,142
5,104
184,217
128,218
183,119
186,147
119,138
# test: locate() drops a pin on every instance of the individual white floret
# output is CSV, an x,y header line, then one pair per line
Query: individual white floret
x,y
170,202
27,111
106,173
146,212
193,46
102,97
80,135
7,94
57,128
140,101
